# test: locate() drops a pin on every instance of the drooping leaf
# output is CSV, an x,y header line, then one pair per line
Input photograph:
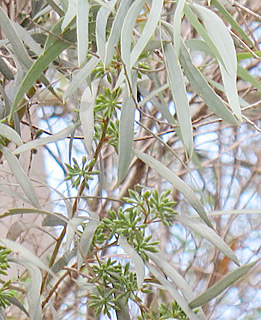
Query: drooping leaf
x,y
126,134
220,35
181,186
136,259
222,285
20,176
70,13
178,15
233,22
208,234
101,23
203,89
6,72
246,76
82,20
10,134
43,141
87,114
80,77
178,90
87,236
168,286
25,253
116,31
39,66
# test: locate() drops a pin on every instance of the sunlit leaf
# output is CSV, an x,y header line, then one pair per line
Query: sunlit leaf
x,y
70,13
181,186
39,66
136,259
222,285
203,89
178,15
208,234
82,30
21,176
220,35
116,31
180,97
43,141
126,134
101,23
10,134
80,77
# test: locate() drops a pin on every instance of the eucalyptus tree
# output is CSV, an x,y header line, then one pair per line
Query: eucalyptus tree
x,y
147,116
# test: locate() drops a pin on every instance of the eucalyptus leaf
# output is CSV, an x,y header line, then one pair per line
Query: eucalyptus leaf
x,y
208,234
43,141
222,285
82,21
126,134
70,13
181,186
20,176
136,259
180,97
10,134
178,15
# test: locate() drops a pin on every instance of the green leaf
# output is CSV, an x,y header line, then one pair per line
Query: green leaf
x,y
220,35
19,211
70,13
246,76
179,94
116,31
20,176
39,66
82,21
126,134
178,15
136,259
25,253
198,26
203,89
168,286
87,114
233,22
101,23
87,236
80,77
6,72
176,181
222,285
208,234
43,141
10,134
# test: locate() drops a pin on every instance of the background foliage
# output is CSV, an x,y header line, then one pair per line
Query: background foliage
x,y
147,116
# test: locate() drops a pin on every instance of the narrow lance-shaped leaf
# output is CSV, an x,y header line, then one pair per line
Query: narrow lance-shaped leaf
x,y
116,31
10,134
221,285
39,66
203,89
43,141
220,35
168,286
131,58
178,90
176,181
70,13
126,134
87,114
136,259
208,234
82,30
81,76
101,23
177,25
126,36
20,176
6,72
